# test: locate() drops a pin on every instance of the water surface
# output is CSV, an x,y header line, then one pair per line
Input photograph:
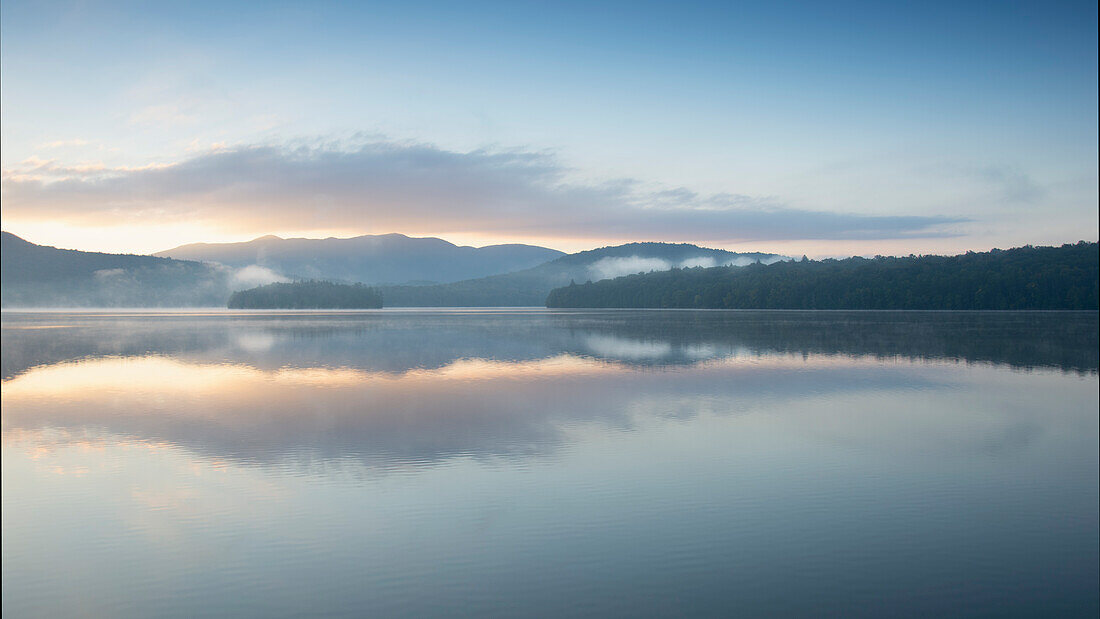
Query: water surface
x,y
539,463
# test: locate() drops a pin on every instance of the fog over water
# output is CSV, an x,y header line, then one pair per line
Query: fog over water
x,y
540,463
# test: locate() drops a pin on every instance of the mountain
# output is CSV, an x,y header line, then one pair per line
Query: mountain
x,y
530,286
1025,278
41,276
371,259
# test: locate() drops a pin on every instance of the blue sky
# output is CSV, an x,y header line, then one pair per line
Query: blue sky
x,y
827,129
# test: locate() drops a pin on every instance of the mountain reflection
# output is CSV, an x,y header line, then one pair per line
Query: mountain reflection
x,y
393,389
397,342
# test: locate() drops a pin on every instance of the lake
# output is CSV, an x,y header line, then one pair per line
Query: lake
x,y
550,463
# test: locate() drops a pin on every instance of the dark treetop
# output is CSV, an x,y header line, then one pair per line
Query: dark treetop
x,y
307,295
1053,278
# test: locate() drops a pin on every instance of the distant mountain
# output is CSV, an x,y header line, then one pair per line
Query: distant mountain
x,y
530,286
1025,278
41,276
378,259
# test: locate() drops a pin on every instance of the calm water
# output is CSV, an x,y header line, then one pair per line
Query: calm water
x,y
535,463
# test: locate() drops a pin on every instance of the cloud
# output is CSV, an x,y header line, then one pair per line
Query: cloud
x,y
998,183
402,186
163,114
624,348
700,261
254,275
607,268
1012,183
75,142
102,274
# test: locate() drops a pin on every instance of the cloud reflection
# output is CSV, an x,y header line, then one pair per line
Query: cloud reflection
x,y
474,408
408,389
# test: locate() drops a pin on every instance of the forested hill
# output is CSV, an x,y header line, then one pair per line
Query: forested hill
x,y
530,286
1066,277
41,276
307,295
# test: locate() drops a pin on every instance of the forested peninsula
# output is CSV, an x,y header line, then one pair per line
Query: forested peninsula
x,y
307,295
1024,278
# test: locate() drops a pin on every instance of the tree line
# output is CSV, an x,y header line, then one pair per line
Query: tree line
x,y
310,294
1033,278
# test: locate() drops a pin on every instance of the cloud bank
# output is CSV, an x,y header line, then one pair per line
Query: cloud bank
x,y
401,186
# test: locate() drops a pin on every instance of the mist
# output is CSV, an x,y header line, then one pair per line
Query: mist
x,y
252,276
610,268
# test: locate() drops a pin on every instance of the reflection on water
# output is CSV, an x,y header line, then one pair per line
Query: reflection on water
x,y
541,463
398,341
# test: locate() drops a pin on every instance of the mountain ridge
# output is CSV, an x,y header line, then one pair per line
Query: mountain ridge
x,y
530,287
42,276
33,275
391,258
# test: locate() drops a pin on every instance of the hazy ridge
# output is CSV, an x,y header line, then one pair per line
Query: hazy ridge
x,y
369,259
41,276
529,287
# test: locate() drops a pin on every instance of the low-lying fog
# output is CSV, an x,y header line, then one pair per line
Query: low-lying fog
x,y
608,268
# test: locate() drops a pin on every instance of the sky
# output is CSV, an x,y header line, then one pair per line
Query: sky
x,y
825,129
